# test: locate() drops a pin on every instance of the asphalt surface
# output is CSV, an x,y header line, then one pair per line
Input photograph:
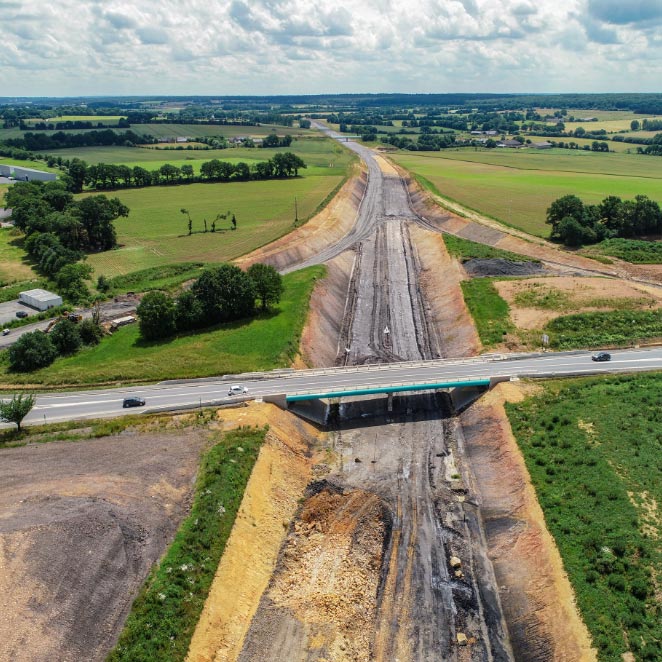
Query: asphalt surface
x,y
106,403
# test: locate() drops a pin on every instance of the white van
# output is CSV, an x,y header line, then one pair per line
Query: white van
x,y
237,390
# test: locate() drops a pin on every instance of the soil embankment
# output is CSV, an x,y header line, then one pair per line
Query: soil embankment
x,y
281,473
82,523
536,595
326,228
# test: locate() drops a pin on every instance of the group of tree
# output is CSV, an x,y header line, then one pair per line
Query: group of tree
x,y
38,349
60,230
110,176
575,223
221,294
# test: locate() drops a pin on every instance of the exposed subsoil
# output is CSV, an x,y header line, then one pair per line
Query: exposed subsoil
x,y
81,523
283,469
536,595
581,295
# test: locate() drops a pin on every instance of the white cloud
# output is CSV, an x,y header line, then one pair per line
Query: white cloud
x,y
296,46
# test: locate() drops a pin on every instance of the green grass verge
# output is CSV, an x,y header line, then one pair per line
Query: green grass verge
x,y
630,250
166,277
594,451
600,329
14,265
517,186
166,612
267,341
490,312
470,250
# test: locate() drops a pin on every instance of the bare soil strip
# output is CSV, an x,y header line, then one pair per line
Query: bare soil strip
x,y
536,594
281,473
81,525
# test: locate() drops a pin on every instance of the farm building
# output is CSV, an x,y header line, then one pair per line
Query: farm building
x,y
22,174
40,299
543,145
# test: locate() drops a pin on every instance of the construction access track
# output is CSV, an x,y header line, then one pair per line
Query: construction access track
x,y
396,512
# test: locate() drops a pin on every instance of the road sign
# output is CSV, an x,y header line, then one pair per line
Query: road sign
x,y
545,339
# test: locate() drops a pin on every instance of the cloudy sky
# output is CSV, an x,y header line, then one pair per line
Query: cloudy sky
x,y
95,47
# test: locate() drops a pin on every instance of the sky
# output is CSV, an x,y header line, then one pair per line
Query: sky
x,y
254,47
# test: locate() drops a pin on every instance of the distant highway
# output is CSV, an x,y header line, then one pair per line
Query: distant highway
x,y
54,407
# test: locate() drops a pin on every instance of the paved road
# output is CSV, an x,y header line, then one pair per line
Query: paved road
x,y
107,403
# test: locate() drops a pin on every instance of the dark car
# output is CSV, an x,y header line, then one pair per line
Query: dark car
x,y
601,356
21,314
133,402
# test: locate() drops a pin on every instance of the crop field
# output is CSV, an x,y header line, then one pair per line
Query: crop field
x,y
209,130
517,187
267,341
620,147
593,450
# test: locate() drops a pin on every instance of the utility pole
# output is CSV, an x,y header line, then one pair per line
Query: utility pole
x,y
296,212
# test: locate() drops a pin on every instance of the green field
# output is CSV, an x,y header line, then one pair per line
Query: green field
x,y
155,233
593,449
12,258
267,341
517,187
36,165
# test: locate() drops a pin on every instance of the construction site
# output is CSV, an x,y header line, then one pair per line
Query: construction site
x,y
405,529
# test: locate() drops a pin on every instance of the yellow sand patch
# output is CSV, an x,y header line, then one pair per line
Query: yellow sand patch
x,y
279,477
385,166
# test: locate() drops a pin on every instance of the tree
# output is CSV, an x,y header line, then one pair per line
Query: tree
x,y
568,205
571,232
97,214
16,409
31,352
268,283
90,332
234,222
188,314
71,280
225,293
156,313
66,337
190,221
634,125
78,173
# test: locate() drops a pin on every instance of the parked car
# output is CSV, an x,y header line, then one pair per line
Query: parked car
x,y
133,402
21,314
5,332
601,356
237,390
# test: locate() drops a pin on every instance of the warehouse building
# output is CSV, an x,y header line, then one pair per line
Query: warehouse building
x,y
40,299
21,174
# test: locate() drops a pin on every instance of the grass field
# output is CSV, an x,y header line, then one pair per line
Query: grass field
x,y
13,268
489,311
593,450
165,613
464,249
36,165
517,187
155,233
262,343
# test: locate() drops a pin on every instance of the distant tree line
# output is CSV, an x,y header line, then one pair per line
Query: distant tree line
x,y
60,230
575,223
221,294
110,176
72,125
36,142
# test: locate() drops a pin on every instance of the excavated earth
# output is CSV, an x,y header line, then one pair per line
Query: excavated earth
x,y
81,524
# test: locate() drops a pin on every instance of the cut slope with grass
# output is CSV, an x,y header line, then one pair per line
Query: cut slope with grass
x,y
489,311
164,615
267,341
470,250
593,449
635,251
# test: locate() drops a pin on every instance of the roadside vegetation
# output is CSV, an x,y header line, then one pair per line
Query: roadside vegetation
x,y
464,249
489,311
593,449
166,612
636,251
269,340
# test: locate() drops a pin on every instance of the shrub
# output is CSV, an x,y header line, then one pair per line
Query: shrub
x,y
31,352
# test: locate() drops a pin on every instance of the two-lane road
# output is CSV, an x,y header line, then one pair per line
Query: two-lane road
x,y
170,396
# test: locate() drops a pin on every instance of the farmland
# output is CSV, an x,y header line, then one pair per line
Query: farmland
x,y
516,187
592,448
267,341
